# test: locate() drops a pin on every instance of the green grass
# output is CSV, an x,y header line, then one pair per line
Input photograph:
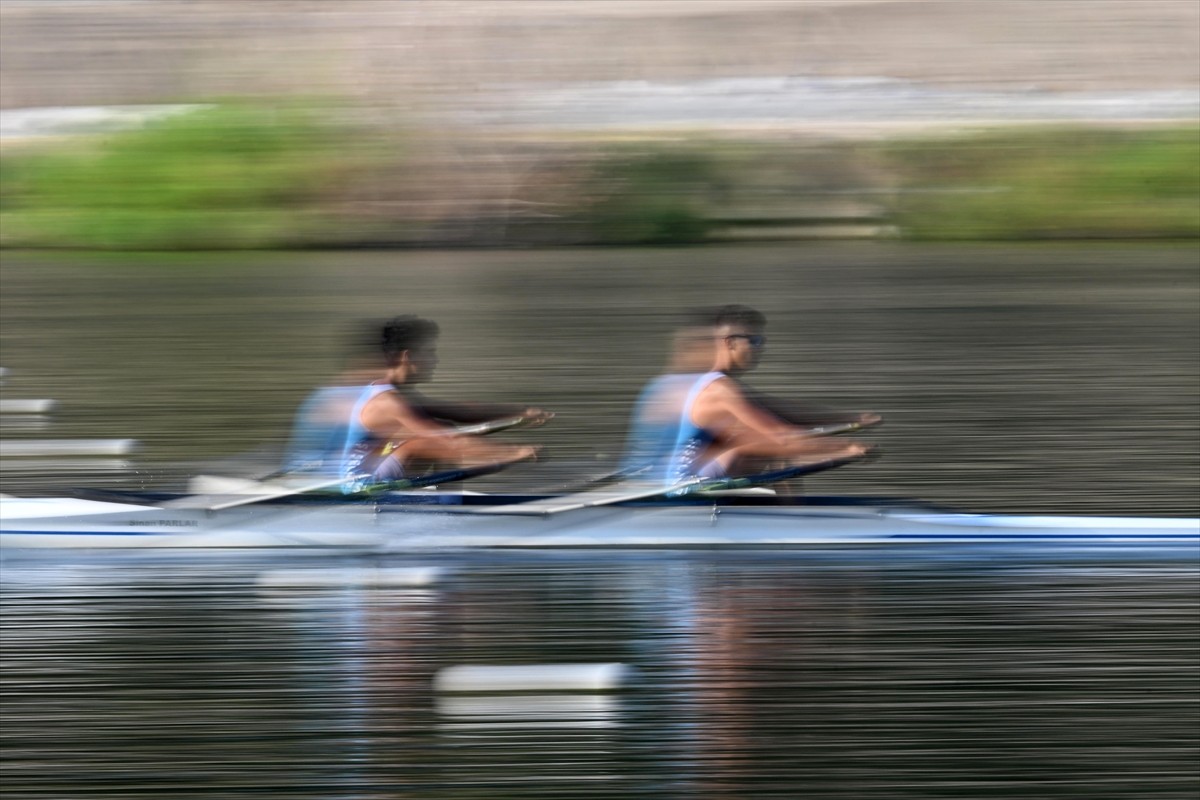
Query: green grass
x,y
218,177
1052,183
252,177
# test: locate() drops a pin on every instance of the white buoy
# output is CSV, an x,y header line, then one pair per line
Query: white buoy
x,y
34,466
408,577
15,448
532,678
27,406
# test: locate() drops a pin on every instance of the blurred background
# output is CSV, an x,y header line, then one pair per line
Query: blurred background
x,y
979,219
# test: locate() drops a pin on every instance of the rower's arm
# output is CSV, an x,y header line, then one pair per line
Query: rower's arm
x,y
476,412
805,415
390,416
723,409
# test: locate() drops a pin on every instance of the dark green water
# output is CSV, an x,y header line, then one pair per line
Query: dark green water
x,y
1061,378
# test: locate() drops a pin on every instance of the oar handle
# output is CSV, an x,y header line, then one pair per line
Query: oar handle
x,y
489,426
835,428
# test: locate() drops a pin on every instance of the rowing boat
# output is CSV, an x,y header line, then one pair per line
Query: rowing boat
x,y
418,513
610,518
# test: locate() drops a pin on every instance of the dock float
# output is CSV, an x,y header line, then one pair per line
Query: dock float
x,y
532,678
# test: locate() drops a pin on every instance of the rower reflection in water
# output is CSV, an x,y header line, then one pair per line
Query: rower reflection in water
x,y
394,431
699,420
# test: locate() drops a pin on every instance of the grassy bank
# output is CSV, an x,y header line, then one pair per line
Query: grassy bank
x,y
218,177
251,177
1050,184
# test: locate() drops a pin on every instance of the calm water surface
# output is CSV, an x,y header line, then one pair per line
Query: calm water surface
x,y
1059,378
905,673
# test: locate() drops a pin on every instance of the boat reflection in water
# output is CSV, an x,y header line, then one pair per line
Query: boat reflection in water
x,y
881,672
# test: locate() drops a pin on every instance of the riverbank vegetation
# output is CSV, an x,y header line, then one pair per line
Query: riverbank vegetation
x,y
222,176
235,176
1069,183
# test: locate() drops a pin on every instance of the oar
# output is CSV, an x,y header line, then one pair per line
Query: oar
x,y
839,427
415,482
432,479
574,502
489,426
273,494
776,475
594,499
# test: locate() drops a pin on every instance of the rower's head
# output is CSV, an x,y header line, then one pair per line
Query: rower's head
x,y
740,333
360,359
692,345
409,346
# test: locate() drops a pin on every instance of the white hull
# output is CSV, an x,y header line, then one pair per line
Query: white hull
x,y
70,523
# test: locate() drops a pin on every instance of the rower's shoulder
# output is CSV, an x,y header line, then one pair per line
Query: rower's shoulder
x,y
386,399
720,385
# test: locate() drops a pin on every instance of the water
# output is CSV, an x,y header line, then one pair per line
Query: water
x,y
1025,378
862,673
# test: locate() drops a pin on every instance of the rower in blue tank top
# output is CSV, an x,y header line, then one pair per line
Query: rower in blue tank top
x,y
320,427
691,457
393,431
664,444
365,458
698,421
319,431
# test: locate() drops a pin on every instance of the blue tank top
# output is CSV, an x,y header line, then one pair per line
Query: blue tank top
x,y
664,444
358,440
319,430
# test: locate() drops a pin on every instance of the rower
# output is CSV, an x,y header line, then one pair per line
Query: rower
x,y
700,421
393,430
655,423
322,422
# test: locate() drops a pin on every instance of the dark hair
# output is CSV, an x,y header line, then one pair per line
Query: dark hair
x,y
360,343
738,316
406,332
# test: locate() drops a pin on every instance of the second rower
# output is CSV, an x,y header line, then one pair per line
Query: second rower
x,y
700,421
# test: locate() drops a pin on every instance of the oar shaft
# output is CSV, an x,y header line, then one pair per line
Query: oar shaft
x,y
284,492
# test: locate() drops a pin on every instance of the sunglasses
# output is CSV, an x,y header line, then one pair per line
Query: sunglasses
x,y
755,340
